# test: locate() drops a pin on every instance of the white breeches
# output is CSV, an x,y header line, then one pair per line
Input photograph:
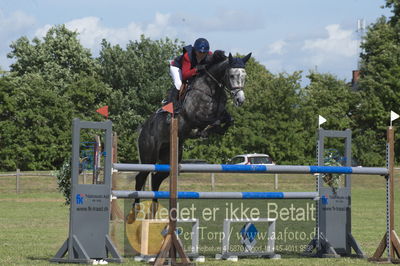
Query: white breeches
x,y
176,75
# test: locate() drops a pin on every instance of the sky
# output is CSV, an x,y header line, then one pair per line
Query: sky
x,y
284,36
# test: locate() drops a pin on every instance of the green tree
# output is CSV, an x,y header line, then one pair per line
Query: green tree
x,y
59,57
50,82
380,84
34,124
332,98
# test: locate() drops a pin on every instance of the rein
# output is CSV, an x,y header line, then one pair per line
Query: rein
x,y
220,84
215,80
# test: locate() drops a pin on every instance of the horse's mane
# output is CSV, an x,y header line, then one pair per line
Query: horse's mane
x,y
217,61
215,58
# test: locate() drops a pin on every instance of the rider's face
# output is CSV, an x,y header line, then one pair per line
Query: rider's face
x,y
200,56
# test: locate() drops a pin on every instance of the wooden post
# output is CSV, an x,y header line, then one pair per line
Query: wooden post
x,y
149,180
84,176
17,175
115,210
390,137
390,240
276,181
171,244
96,160
212,181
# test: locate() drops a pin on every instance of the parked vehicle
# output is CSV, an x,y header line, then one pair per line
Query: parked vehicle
x,y
254,158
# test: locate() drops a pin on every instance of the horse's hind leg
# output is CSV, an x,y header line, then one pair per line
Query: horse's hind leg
x,y
159,177
140,181
136,208
156,181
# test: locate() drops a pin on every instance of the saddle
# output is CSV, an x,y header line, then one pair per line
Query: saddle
x,y
175,97
182,91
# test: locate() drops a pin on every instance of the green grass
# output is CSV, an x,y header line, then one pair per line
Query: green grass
x,y
34,224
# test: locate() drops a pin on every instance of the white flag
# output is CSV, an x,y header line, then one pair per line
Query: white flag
x,y
321,120
393,116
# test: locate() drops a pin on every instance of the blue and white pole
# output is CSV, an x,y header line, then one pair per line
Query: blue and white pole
x,y
121,194
229,168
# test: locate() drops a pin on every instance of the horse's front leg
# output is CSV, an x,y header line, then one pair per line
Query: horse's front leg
x,y
227,121
218,127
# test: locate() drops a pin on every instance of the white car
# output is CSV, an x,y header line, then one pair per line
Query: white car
x,y
254,158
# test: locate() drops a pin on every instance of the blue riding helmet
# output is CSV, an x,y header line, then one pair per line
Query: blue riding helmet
x,y
201,45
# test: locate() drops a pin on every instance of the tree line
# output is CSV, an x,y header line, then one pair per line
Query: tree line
x,y
55,79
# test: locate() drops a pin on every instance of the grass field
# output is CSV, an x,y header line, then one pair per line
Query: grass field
x,y
34,223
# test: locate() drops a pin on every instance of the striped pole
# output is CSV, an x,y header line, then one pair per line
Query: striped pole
x,y
229,168
124,194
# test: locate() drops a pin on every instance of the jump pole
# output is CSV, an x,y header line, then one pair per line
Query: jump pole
x,y
171,244
390,240
267,169
128,194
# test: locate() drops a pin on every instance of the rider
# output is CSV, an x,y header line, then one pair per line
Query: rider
x,y
184,67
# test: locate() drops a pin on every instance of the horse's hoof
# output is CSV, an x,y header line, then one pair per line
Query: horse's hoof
x,y
131,217
153,211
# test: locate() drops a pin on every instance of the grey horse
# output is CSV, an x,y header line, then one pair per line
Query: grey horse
x,y
203,112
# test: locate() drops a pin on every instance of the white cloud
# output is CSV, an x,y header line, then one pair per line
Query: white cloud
x,y
160,26
222,20
276,47
12,27
41,32
15,22
92,31
339,44
274,65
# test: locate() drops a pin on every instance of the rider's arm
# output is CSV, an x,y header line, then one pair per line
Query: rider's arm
x,y
187,71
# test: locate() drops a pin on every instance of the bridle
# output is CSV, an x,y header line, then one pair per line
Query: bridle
x,y
232,92
220,84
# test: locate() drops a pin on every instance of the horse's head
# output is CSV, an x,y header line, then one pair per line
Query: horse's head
x,y
229,72
235,77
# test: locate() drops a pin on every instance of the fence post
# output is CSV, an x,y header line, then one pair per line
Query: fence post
x,y
212,181
149,182
116,212
276,181
17,175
